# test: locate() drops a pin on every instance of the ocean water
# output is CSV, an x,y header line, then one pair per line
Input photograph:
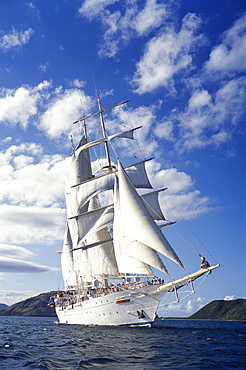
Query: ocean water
x,y
40,343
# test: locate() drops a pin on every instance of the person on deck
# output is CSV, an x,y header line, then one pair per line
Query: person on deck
x,y
204,263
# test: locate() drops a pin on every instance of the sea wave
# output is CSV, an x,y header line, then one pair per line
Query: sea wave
x,y
38,343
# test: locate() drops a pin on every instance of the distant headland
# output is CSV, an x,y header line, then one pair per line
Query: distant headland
x,y
35,306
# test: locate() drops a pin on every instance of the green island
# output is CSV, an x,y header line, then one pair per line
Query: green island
x,y
35,306
222,310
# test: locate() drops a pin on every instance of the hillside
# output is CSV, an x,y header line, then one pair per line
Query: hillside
x,y
35,306
222,310
2,306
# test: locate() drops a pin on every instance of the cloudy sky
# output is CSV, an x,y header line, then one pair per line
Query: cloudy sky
x,y
182,64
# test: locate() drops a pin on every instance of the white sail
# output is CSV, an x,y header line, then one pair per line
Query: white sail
x,y
137,223
68,271
105,220
144,253
79,169
101,258
126,262
138,176
127,134
152,204
89,189
132,255
86,221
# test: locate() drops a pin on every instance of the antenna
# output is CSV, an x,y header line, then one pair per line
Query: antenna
x,y
95,86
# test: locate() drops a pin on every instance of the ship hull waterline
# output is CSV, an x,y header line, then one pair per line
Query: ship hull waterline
x,y
129,307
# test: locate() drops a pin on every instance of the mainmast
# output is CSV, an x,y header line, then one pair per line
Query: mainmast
x,y
100,112
104,132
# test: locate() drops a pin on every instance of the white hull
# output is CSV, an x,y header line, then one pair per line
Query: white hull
x,y
130,307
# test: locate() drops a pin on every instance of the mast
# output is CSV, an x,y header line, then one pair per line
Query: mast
x,y
104,132
85,130
100,112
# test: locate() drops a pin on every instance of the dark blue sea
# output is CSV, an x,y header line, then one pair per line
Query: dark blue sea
x,y
40,343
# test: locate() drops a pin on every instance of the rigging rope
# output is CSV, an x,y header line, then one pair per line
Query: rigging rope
x,y
191,244
178,299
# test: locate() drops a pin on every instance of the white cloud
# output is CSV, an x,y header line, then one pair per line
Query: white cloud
x,y
181,200
54,111
164,130
10,297
6,139
78,83
22,161
214,121
62,111
182,310
195,305
209,119
142,116
15,39
31,224
17,106
8,250
30,178
230,55
13,265
43,67
94,8
200,99
13,150
230,297
166,55
131,19
150,17
33,9
174,179
38,184
28,184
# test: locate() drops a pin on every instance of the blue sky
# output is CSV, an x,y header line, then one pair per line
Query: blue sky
x,y
182,64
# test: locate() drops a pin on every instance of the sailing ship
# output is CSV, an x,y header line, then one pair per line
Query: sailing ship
x,y
114,245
